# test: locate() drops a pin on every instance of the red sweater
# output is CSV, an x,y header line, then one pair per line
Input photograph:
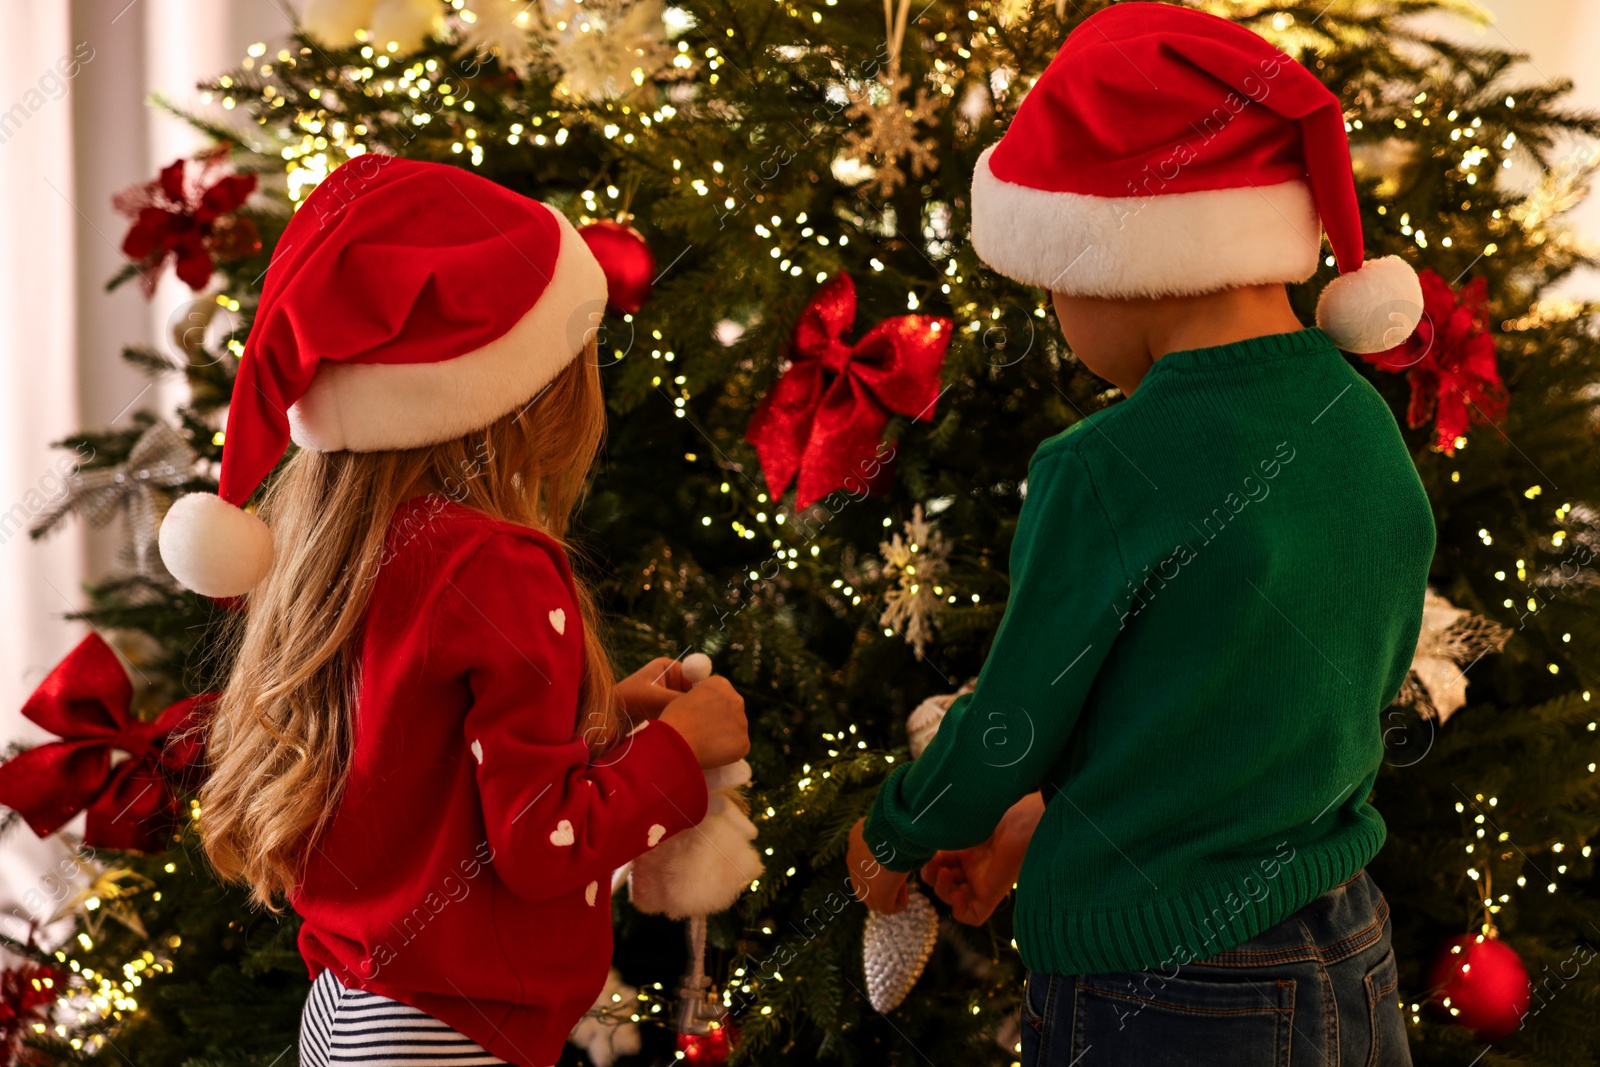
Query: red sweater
x,y
467,870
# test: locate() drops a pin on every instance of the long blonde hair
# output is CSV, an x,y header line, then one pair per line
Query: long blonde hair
x,y
280,743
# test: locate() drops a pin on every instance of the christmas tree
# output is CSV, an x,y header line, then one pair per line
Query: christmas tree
x,y
766,151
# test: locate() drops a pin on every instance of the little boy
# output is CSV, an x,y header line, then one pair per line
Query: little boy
x,y
1216,584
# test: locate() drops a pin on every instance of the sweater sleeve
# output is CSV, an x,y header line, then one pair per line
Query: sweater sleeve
x,y
555,818
996,744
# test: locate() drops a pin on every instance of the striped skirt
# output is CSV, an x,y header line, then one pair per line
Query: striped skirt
x,y
344,1025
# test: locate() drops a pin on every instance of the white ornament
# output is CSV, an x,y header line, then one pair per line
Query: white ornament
x,y
405,24
562,835
500,28
696,667
477,751
334,22
923,723
1451,640
608,1031
608,47
895,948
558,619
657,832
702,870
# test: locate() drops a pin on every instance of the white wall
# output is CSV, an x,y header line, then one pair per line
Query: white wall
x,y
38,368
1560,38
79,71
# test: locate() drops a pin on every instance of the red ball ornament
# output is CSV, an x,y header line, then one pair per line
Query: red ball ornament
x,y
709,1049
629,265
1481,984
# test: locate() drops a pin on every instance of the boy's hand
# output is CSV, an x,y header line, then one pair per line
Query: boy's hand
x,y
646,692
874,884
974,881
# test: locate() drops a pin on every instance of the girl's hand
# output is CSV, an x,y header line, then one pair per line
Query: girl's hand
x,y
646,692
974,881
874,884
711,718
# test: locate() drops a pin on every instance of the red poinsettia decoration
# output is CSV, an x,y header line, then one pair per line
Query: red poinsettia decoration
x,y
1450,361
26,993
188,214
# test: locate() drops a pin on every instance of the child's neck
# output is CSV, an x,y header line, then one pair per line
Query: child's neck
x,y
1120,339
1226,317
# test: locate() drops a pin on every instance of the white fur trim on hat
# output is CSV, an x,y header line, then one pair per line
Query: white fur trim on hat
x,y
1171,244
214,548
1371,309
370,407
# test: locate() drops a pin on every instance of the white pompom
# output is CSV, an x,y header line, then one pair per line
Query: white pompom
x,y
1372,309
214,548
696,667
334,22
404,23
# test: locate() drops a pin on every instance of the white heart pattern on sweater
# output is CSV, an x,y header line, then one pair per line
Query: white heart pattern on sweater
x,y
477,750
590,892
558,619
562,835
657,832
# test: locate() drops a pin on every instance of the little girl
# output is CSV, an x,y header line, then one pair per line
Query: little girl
x,y
421,746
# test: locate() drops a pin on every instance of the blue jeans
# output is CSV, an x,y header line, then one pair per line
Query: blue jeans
x,y
1316,989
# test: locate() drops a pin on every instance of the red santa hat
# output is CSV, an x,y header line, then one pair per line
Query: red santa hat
x,y
1169,152
407,303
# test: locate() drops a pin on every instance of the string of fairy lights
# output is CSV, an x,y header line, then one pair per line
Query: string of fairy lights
x,y
98,999
316,138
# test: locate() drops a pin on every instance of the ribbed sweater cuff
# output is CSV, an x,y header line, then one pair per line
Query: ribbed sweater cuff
x,y
1197,924
889,844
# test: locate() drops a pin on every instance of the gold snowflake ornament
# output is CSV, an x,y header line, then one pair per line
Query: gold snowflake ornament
x,y
914,565
891,132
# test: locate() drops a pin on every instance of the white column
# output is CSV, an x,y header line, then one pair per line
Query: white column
x,y
38,384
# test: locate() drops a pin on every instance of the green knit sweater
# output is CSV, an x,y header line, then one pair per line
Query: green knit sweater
x,y
1216,587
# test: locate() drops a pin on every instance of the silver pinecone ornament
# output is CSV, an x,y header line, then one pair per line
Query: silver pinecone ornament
x,y
895,948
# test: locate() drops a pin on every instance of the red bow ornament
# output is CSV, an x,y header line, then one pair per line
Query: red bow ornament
x,y
189,217
1449,360
822,422
107,762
